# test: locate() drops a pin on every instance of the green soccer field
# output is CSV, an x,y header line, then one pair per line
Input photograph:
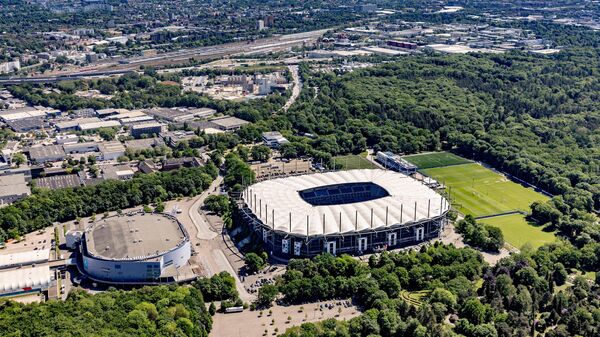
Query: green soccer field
x,y
517,231
435,159
352,162
479,191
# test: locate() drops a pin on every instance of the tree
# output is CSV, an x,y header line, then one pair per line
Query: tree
x,y
559,274
18,159
219,204
474,311
254,262
261,152
266,295
107,133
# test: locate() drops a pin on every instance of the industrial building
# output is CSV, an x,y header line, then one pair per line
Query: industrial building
x,y
228,123
58,181
15,282
352,212
111,150
136,248
180,115
117,172
42,154
25,258
13,188
148,129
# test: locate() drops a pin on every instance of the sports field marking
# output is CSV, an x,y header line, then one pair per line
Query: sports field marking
x,y
479,191
352,162
435,159
517,231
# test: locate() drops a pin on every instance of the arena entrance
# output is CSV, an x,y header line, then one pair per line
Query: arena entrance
x,y
330,247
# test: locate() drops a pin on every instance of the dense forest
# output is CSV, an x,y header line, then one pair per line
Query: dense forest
x,y
536,118
45,207
444,291
145,312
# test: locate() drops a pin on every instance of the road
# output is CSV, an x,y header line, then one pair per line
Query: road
x,y
297,87
105,68
211,252
198,218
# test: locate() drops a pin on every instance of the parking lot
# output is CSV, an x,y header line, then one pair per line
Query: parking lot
x,y
255,323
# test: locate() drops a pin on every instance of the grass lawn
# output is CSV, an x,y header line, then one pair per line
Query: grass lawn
x,y
517,231
435,159
352,162
414,297
479,191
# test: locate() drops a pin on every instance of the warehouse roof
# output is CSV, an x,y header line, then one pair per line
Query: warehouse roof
x,y
14,184
228,122
55,182
98,125
344,201
17,279
114,146
32,256
42,152
134,236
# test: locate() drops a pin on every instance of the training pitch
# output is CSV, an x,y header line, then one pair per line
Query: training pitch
x,y
479,191
353,162
517,231
435,159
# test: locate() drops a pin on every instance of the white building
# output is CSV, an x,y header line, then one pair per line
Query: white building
x,y
9,67
274,139
21,280
111,150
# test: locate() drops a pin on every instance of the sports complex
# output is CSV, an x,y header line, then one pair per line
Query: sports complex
x,y
135,248
352,212
491,197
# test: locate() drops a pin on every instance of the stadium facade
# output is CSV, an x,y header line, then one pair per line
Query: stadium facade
x,y
352,212
136,248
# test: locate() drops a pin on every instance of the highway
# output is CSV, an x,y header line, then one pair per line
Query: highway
x,y
123,66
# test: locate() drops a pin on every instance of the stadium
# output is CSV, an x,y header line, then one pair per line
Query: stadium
x,y
135,248
353,212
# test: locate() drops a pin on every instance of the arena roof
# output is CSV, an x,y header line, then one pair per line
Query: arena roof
x,y
284,209
136,236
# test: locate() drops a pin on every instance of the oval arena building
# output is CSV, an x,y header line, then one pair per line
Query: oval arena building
x,y
353,212
135,248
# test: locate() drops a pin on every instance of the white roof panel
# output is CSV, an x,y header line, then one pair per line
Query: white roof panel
x,y
19,279
31,256
280,201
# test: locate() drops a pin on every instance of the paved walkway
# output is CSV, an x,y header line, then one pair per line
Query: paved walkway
x,y
204,230
449,236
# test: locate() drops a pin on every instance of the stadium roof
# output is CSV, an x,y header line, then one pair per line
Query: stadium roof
x,y
136,236
284,209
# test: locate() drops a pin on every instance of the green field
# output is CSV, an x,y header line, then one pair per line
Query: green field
x,y
479,191
517,231
352,162
435,159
